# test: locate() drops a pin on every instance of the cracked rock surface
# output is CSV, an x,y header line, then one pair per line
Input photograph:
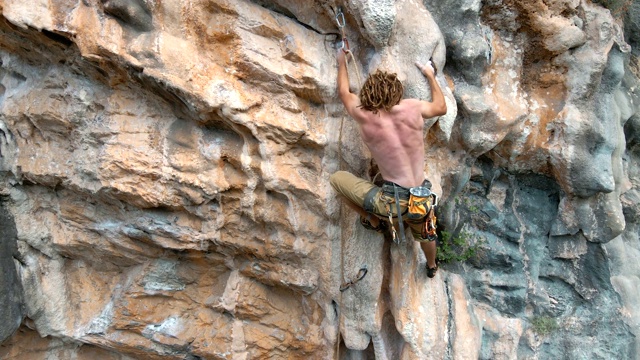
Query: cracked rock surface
x,y
164,184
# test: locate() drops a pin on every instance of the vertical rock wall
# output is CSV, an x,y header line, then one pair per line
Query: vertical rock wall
x,y
11,297
164,167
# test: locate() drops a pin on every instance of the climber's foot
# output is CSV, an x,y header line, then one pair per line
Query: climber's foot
x,y
431,271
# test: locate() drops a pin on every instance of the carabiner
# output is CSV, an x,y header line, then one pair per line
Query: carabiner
x,y
340,15
345,45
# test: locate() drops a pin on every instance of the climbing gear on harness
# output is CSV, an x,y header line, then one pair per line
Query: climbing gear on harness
x,y
419,201
421,204
429,227
388,188
400,221
396,192
361,274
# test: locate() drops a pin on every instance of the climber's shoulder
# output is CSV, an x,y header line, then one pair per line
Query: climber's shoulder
x,y
425,108
408,103
407,107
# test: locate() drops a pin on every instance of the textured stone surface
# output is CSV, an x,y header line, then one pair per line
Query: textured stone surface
x,y
26,344
11,296
166,164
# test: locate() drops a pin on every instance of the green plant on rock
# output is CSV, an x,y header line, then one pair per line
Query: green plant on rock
x,y
457,248
544,325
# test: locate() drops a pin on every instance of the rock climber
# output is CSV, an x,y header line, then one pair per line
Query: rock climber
x,y
392,129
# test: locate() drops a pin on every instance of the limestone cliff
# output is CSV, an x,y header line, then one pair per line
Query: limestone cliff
x,y
164,185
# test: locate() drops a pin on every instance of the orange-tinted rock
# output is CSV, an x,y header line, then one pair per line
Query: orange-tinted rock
x,y
166,168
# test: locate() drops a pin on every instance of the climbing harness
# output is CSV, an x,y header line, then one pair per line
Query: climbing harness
x,y
400,221
429,227
421,205
419,202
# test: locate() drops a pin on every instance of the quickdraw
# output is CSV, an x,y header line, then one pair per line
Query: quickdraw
x,y
339,17
341,24
345,46
340,20
359,276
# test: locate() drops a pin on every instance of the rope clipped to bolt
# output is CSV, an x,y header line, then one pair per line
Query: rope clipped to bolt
x,y
345,45
347,50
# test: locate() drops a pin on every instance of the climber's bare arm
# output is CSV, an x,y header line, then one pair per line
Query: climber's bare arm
x,y
437,106
349,99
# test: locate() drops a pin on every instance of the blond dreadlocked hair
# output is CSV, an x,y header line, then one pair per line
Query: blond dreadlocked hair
x,y
382,90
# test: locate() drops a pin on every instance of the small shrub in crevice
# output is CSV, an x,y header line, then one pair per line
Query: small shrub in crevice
x,y
460,247
544,325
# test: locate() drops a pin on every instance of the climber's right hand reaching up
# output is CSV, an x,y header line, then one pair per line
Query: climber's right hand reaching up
x,y
437,106
427,69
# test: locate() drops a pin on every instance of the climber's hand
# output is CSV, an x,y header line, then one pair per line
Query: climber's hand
x,y
426,69
340,56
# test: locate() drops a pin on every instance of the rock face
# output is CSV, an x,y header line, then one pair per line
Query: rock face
x,y
11,296
164,184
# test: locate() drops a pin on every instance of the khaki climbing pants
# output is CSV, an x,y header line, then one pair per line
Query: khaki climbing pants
x,y
356,189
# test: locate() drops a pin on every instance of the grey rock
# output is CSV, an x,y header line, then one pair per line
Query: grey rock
x,y
632,27
201,179
11,296
566,279
378,17
468,41
135,13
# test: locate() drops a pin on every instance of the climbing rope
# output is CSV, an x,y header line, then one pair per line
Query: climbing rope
x,y
345,45
363,270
